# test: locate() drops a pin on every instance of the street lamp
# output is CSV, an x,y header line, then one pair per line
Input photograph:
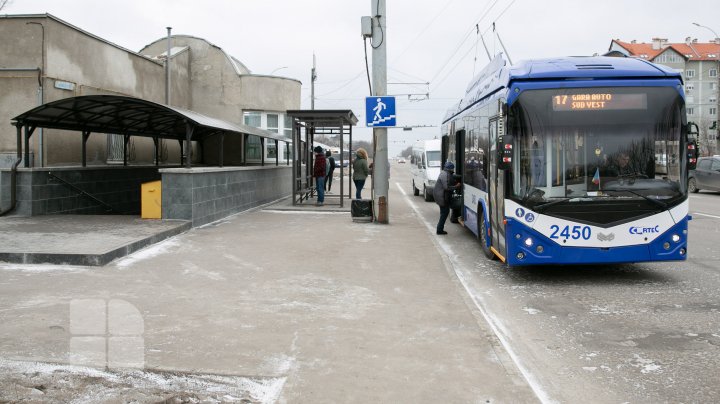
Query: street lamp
x,y
717,117
279,68
708,28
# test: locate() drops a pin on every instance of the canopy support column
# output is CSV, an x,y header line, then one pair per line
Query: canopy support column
x,y
262,151
85,136
221,148
189,129
126,140
156,141
28,132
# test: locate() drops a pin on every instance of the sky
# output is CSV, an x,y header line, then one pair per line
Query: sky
x,y
433,42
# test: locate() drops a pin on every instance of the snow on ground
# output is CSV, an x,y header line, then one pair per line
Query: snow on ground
x,y
32,381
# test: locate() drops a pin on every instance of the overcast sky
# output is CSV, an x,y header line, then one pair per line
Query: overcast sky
x,y
428,41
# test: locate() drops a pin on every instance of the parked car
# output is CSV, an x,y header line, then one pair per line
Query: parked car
x,y
341,162
706,175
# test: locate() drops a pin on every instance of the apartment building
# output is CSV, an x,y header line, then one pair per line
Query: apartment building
x,y
700,64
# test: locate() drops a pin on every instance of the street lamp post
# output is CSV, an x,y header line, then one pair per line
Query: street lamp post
x,y
717,109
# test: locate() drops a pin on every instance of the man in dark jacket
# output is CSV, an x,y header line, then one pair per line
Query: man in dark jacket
x,y
319,173
443,186
330,161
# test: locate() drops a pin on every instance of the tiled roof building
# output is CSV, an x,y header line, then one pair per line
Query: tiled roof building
x,y
700,64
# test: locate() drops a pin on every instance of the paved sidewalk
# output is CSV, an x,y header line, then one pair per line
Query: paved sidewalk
x,y
80,239
272,305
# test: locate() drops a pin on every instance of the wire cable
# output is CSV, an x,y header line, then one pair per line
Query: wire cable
x,y
367,67
462,42
382,33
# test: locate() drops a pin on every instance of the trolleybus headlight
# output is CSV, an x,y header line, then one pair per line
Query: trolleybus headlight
x,y
666,245
539,249
520,255
675,238
529,242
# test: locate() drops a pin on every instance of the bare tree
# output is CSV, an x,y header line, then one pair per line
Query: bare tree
x,y
4,3
706,140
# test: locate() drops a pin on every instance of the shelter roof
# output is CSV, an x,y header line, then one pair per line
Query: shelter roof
x,y
131,116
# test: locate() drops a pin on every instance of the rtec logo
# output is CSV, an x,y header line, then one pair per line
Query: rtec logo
x,y
644,230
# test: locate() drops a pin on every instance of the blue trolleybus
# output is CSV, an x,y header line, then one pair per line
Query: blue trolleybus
x,y
577,160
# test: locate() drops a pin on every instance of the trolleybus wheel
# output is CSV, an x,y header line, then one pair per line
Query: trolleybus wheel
x,y
482,229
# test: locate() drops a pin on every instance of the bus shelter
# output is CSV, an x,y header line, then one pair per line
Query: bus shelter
x,y
308,124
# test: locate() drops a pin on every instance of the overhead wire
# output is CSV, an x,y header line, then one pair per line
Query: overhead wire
x,y
423,31
462,42
434,84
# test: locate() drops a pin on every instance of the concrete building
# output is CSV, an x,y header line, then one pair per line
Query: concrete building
x,y
43,59
700,64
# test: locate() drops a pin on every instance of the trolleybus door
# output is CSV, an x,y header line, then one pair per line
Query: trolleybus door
x,y
496,191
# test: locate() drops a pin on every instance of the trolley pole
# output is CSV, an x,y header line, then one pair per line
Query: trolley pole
x,y
379,78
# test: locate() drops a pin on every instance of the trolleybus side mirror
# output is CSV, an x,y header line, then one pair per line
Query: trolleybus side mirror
x,y
505,152
692,147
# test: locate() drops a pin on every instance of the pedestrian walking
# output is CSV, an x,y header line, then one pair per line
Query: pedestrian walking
x,y
330,169
360,171
443,188
319,172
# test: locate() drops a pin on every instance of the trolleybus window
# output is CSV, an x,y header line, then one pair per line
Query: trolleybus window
x,y
580,144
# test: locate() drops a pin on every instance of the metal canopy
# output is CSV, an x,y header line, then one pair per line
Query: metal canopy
x,y
317,121
131,116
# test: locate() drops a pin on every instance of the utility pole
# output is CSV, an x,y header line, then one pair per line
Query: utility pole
x,y
381,182
313,77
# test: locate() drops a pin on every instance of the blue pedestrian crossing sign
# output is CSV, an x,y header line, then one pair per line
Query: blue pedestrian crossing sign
x,y
379,111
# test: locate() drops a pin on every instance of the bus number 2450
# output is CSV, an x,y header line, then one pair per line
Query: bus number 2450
x,y
574,232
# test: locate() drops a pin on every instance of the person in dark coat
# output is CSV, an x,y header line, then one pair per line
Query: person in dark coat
x,y
443,186
319,173
330,169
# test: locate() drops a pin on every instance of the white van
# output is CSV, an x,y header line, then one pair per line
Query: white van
x,y
425,166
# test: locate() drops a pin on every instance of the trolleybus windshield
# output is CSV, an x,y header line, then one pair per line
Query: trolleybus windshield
x,y
582,144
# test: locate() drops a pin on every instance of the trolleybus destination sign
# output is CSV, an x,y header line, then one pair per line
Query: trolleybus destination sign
x,y
598,101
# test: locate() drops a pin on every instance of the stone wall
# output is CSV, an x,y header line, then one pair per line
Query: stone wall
x,y
200,195
204,195
40,193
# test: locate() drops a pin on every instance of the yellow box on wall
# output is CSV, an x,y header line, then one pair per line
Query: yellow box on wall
x,y
151,200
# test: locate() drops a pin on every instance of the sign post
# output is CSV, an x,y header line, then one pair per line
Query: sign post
x,y
381,180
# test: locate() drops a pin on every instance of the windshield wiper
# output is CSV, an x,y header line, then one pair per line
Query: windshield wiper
x,y
540,208
655,201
